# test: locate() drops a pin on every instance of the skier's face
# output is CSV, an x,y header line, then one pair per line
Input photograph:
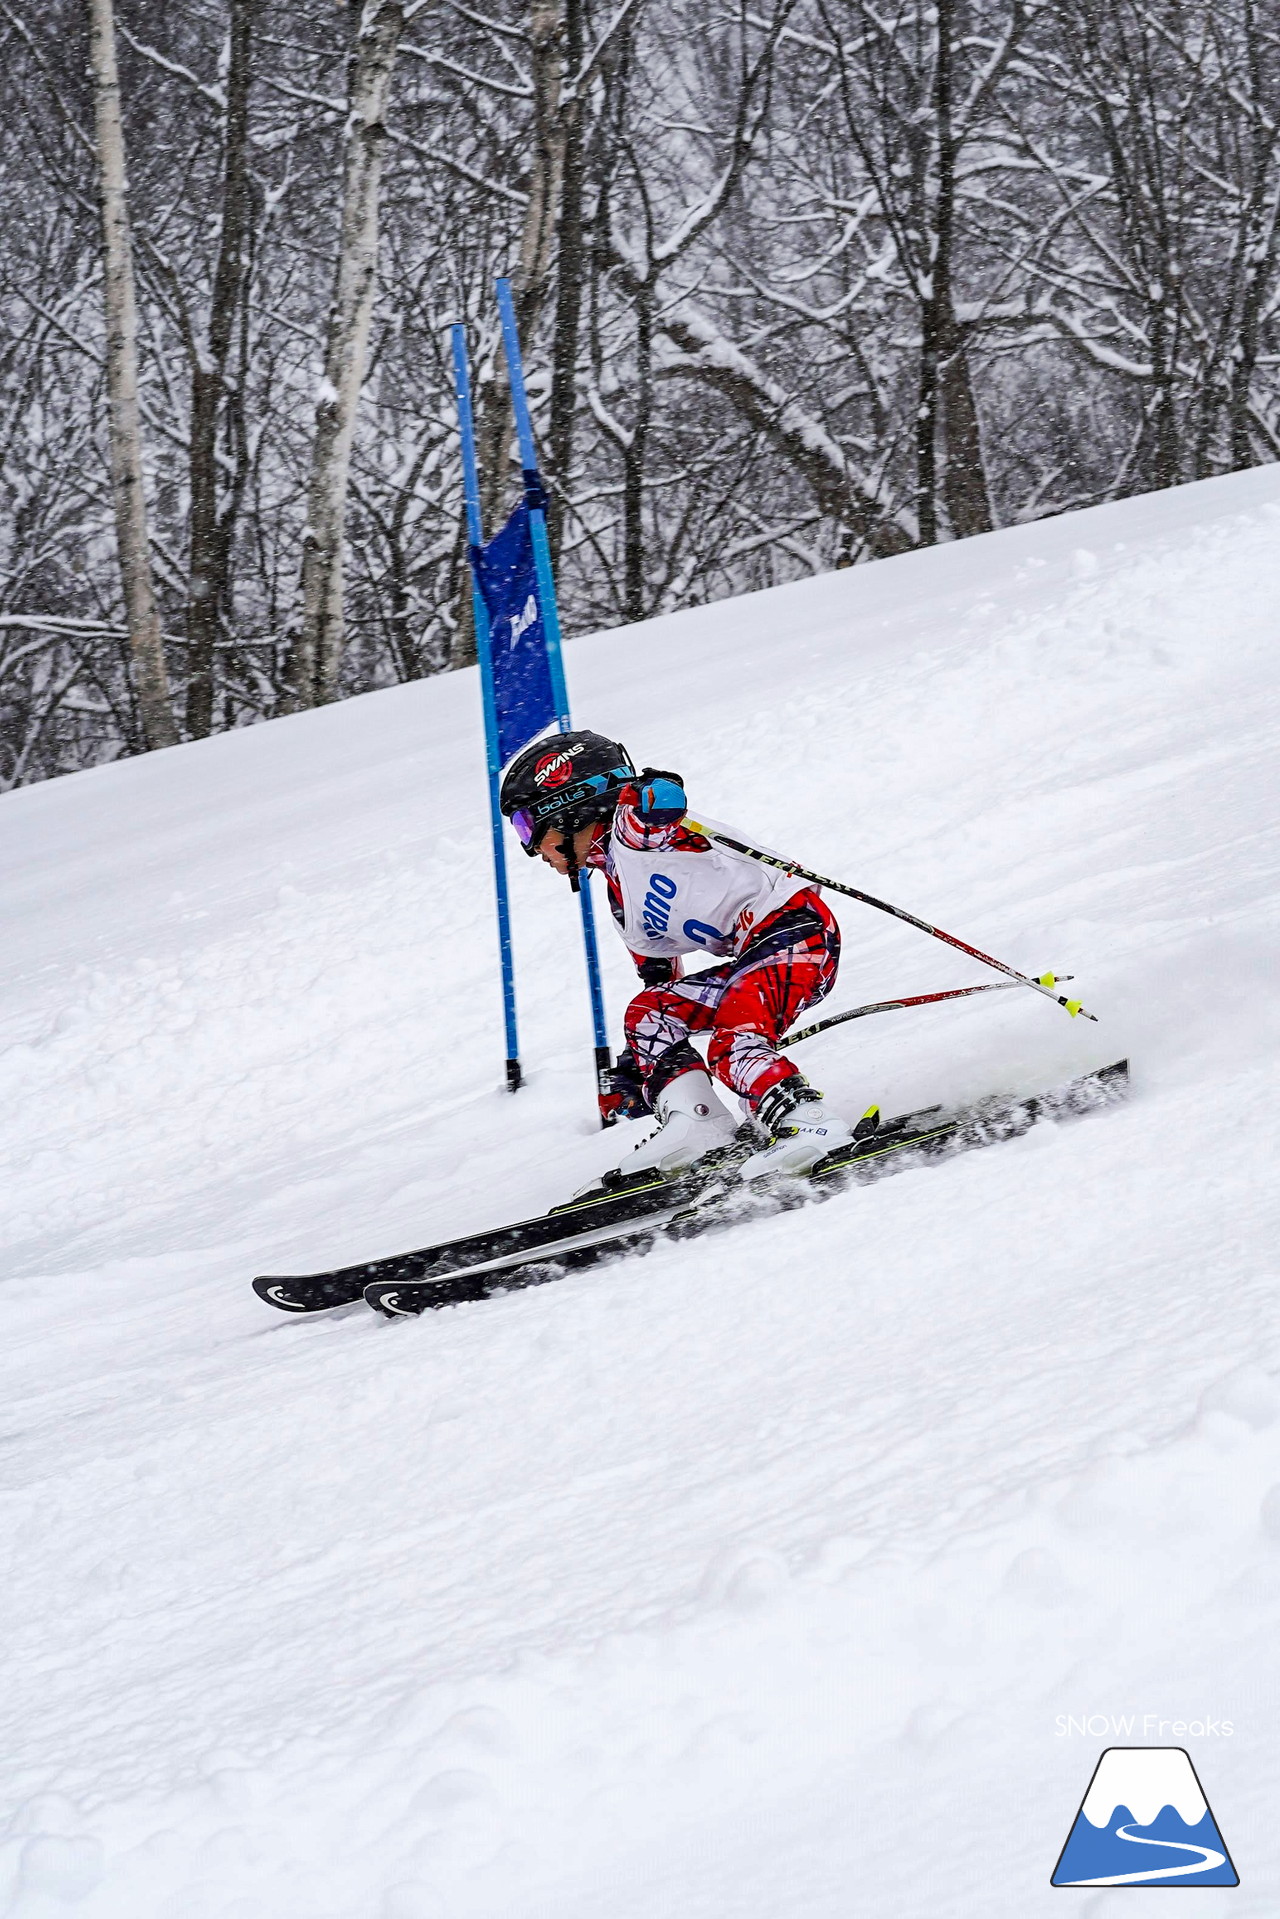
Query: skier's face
x,y
551,847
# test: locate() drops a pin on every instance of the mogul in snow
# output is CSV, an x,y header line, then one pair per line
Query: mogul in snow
x,y
577,802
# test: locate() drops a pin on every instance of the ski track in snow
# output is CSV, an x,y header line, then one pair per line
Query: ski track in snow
x,y
748,1578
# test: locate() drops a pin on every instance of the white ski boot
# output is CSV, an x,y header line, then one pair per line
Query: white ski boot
x,y
803,1130
691,1122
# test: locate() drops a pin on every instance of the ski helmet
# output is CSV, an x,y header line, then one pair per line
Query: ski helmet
x,y
566,781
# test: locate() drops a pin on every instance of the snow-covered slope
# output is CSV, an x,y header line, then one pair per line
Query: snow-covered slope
x,y
760,1577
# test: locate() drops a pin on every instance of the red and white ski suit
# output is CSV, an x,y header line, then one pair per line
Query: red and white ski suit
x,y
672,892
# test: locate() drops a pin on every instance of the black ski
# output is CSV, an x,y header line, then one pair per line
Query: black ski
x,y
604,1225
903,1141
604,1212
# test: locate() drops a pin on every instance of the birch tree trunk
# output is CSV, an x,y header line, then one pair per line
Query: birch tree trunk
x,y
531,279
548,26
570,268
1257,245
949,459
964,482
634,461
317,654
965,472
934,225
211,528
121,307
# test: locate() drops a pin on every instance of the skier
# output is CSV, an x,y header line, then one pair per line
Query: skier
x,y
578,802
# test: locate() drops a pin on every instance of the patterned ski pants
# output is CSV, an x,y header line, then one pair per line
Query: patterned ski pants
x,y
746,1004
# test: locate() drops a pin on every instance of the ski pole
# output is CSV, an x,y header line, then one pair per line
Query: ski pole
x,y
1073,1006
918,999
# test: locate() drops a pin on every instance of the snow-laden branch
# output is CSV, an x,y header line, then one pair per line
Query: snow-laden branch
x,y
623,14
214,94
430,58
702,353
440,156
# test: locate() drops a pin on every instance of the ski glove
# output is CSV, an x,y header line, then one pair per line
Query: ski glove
x,y
626,1100
658,972
660,797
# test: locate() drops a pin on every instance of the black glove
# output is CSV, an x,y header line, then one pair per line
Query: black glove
x,y
656,972
626,1100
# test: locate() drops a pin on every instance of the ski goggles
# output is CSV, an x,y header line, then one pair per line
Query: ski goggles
x,y
525,824
531,822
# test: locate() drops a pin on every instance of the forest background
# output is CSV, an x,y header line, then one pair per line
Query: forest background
x,y
801,284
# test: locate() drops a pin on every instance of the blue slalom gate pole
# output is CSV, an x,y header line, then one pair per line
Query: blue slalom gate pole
x,y
535,500
480,613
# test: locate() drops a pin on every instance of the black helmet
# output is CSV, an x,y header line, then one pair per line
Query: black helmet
x,y
565,781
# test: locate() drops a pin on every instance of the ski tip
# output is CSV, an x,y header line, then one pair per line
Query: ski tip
x,y
276,1292
394,1300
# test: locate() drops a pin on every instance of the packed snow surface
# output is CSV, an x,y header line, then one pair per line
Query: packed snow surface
x,y
792,1573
